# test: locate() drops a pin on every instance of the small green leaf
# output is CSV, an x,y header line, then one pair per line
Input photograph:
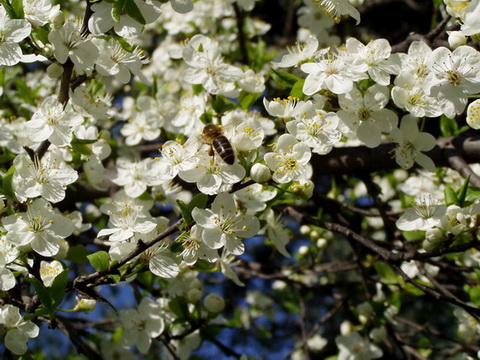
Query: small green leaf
x,y
57,290
7,184
117,10
412,289
42,292
206,117
197,89
123,42
205,266
199,201
451,197
185,211
448,126
41,311
474,293
473,194
41,34
386,273
133,11
284,79
17,6
77,254
221,104
8,8
179,306
99,260
25,92
246,101
462,193
297,90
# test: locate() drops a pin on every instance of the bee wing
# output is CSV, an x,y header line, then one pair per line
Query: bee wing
x,y
196,142
228,127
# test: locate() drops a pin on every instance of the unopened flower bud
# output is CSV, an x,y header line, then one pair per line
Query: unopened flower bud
x,y
434,235
54,70
456,39
85,305
322,243
303,188
196,284
305,229
303,250
63,250
260,173
365,312
346,327
194,295
279,285
378,334
214,303
314,235
57,19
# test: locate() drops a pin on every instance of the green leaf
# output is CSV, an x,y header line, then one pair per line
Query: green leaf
x,y
77,254
42,292
82,149
206,117
6,156
41,311
117,10
99,260
123,42
17,6
284,79
448,126
184,211
462,193
41,34
7,184
297,90
221,104
386,273
474,293
197,89
9,9
179,306
57,290
25,92
133,11
412,289
199,201
451,197
246,101
473,193
205,266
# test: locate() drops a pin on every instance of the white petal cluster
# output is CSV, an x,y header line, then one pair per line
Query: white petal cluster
x,y
223,226
19,331
39,228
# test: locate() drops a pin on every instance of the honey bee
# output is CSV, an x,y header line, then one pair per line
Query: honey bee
x,y
213,135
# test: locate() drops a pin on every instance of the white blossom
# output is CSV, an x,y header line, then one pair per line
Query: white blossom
x,y
142,325
290,159
39,228
13,31
223,226
18,330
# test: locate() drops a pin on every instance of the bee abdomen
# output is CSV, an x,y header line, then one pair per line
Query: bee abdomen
x,y
224,149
